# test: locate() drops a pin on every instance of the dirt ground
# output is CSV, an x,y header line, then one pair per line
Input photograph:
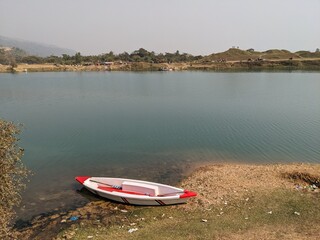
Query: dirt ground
x,y
217,185
217,182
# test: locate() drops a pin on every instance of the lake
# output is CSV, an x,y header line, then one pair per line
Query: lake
x,y
154,125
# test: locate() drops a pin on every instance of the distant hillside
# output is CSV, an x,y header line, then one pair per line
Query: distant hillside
x,y
32,48
279,54
235,54
307,54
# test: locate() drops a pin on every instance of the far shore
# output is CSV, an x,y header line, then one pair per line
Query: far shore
x,y
307,64
235,201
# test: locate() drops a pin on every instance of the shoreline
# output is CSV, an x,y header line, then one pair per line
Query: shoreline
x,y
216,184
307,64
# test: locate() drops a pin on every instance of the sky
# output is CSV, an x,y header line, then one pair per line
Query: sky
x,y
191,26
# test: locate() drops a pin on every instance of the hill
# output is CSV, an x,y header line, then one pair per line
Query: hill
x,y
232,54
307,54
235,54
32,48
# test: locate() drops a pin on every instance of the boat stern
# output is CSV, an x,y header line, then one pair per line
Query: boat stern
x,y
82,179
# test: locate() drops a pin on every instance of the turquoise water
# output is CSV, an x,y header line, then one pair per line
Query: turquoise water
x,y
151,125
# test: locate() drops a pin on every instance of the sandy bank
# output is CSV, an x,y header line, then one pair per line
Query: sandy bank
x,y
308,64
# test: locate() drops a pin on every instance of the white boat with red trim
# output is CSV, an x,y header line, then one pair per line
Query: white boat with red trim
x,y
135,192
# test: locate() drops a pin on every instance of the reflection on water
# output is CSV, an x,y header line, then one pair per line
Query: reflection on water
x,y
153,126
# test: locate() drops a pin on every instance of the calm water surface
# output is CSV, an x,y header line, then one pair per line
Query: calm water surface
x,y
151,125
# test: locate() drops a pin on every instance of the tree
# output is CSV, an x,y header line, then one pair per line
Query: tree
x,y
317,50
12,63
124,56
66,58
77,58
32,60
12,174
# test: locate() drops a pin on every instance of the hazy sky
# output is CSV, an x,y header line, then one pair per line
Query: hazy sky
x,y
193,26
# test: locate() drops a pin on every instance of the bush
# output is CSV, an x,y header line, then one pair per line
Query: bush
x,y
12,174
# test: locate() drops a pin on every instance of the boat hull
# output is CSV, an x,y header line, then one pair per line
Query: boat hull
x,y
135,192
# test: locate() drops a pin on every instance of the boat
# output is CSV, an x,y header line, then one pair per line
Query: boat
x,y
135,192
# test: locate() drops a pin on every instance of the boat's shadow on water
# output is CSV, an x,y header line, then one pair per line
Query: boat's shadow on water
x,y
83,192
91,197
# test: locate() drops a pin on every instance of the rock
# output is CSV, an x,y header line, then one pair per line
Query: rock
x,y
54,216
131,230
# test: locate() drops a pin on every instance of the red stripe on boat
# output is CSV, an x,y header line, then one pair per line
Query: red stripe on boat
x,y
160,202
125,200
188,194
82,179
111,189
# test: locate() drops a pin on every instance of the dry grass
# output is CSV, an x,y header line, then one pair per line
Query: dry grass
x,y
217,182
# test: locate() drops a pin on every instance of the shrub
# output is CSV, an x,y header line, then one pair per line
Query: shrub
x,y
12,174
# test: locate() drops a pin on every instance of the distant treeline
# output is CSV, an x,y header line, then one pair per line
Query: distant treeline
x,y
16,55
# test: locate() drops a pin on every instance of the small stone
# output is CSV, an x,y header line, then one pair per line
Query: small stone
x,y
270,212
247,199
89,237
297,213
246,218
204,220
123,210
170,217
131,230
54,216
63,220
